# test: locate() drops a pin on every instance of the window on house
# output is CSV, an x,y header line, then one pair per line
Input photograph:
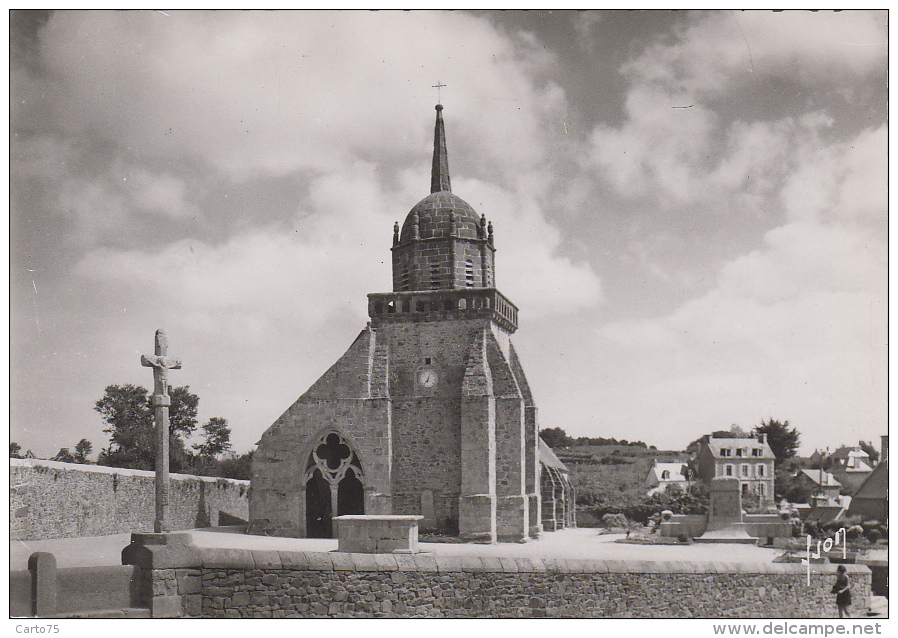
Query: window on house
x,y
724,451
761,490
728,470
665,474
760,470
738,451
745,470
756,451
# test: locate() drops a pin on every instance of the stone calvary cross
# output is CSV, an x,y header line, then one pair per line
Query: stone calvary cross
x,y
161,364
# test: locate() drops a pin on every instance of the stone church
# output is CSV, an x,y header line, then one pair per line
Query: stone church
x,y
428,412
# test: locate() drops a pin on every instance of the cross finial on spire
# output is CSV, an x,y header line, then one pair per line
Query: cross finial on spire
x,y
438,86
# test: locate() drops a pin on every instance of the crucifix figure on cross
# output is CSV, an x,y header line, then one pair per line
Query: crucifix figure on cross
x,y
161,364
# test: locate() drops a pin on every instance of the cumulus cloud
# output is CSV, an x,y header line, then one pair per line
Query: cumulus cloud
x,y
797,324
716,51
315,88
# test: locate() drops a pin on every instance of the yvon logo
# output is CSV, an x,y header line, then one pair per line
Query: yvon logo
x,y
827,545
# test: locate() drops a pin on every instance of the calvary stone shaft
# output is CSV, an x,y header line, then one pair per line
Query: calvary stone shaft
x,y
161,364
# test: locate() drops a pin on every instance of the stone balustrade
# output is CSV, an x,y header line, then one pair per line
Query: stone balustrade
x,y
433,305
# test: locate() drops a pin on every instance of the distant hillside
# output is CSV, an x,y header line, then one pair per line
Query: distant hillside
x,y
609,475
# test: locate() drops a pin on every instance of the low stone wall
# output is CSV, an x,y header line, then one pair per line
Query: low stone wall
x,y
761,526
183,580
48,499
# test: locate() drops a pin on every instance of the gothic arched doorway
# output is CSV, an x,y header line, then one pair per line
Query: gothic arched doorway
x,y
333,482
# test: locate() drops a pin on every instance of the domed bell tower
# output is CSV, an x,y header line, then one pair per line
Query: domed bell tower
x,y
464,422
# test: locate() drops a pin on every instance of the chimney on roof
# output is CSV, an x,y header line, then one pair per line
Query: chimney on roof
x,y
761,437
884,453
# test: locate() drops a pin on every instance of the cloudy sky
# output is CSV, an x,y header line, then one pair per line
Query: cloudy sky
x,y
690,208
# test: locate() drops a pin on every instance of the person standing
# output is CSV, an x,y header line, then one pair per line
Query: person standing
x,y
842,590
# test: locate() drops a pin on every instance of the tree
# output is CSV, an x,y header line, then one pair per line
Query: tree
x,y
782,440
128,413
217,438
82,450
15,451
555,437
239,468
64,456
789,484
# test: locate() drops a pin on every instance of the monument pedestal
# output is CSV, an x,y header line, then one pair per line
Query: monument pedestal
x,y
725,514
732,533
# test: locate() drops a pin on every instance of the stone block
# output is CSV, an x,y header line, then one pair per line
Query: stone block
x,y
425,562
320,561
448,563
386,562
525,565
358,545
193,605
240,599
391,545
365,562
293,560
216,558
492,564
472,564
342,562
266,559
167,606
190,585
508,564
405,562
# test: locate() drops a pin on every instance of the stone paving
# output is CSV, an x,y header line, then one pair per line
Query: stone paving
x,y
568,543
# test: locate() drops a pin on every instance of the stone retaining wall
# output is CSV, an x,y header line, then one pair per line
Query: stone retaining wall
x,y
231,583
48,499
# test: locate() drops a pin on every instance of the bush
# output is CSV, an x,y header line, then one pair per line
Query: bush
x,y
874,535
615,520
871,524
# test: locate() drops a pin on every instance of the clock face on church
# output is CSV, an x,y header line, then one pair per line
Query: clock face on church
x,y
428,378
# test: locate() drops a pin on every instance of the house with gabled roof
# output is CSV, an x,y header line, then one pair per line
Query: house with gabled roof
x,y
662,475
749,459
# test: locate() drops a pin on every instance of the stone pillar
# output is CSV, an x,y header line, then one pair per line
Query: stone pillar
x,y
512,503
477,503
42,566
725,507
531,470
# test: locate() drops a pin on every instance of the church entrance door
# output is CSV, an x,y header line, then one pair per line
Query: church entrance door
x,y
333,484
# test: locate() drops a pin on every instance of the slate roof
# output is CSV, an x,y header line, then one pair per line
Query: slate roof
x,y
877,484
750,442
828,479
547,457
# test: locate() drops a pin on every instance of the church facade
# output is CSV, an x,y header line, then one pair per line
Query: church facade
x,y
429,411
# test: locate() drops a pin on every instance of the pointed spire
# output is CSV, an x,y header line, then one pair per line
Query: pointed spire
x,y
439,173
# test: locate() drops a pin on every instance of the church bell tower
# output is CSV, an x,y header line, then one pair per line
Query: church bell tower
x,y
428,412
457,385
